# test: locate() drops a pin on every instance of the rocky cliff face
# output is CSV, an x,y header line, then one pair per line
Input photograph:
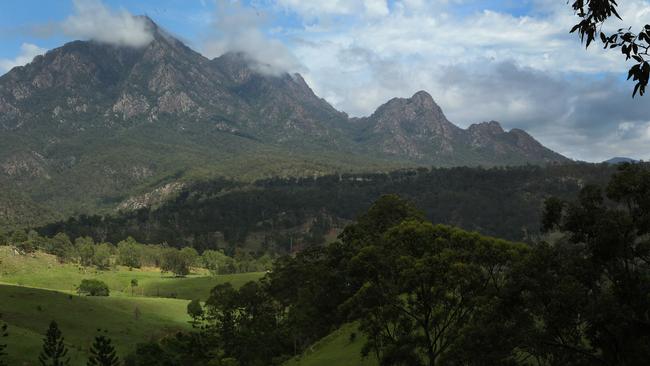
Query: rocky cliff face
x,y
417,128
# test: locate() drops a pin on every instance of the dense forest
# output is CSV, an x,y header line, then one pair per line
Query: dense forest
x,y
290,213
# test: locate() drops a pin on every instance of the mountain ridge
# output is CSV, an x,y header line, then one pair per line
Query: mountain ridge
x,y
89,125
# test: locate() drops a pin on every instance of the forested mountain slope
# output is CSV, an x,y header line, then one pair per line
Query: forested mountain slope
x,y
294,213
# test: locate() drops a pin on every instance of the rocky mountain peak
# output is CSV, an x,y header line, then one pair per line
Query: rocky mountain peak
x,y
418,115
488,128
423,100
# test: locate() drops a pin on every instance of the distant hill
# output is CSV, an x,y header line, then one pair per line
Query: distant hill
x,y
620,160
88,126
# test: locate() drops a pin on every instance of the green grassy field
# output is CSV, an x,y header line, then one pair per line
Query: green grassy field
x,y
43,271
36,289
28,312
336,349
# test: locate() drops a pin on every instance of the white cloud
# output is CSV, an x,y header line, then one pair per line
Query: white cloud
x,y
376,8
238,29
319,10
27,53
93,20
316,8
526,71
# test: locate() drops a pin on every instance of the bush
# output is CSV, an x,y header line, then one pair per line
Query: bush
x,y
93,288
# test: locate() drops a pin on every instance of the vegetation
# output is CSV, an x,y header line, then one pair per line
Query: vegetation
x,y
285,215
195,311
3,347
635,46
427,294
93,288
102,352
30,310
130,314
396,289
54,351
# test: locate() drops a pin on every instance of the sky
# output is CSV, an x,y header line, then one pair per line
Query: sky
x,y
512,61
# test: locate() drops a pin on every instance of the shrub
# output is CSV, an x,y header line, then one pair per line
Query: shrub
x,y
93,288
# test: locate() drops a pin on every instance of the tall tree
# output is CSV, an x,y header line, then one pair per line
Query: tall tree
x,y
424,285
54,351
102,352
634,46
588,293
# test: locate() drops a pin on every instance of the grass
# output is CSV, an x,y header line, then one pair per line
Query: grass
x,y
338,349
43,271
28,312
36,289
193,287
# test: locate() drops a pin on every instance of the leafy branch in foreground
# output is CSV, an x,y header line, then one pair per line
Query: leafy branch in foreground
x,y
635,46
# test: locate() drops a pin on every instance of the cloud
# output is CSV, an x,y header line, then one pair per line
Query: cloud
x,y
311,10
239,29
93,20
480,64
27,53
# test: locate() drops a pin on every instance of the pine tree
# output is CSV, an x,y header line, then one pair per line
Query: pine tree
x,y
54,351
3,347
102,352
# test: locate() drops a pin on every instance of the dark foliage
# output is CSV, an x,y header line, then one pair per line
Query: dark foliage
x,y
501,202
3,347
195,311
634,46
54,351
93,288
102,352
590,290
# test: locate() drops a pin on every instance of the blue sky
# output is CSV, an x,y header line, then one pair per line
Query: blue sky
x,y
506,60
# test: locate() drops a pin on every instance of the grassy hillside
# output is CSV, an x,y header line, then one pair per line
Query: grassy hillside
x,y
339,348
42,270
36,289
28,312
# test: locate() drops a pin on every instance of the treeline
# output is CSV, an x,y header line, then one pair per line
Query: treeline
x,y
501,202
427,294
130,253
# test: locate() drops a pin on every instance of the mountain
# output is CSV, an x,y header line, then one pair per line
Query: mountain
x,y
90,127
417,129
620,160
